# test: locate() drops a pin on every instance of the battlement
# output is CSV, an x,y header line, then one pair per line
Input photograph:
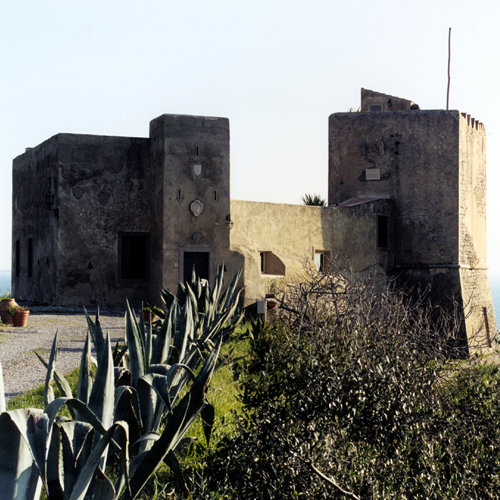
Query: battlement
x,y
473,123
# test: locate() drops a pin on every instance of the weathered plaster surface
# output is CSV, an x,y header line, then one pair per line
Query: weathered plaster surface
x,y
294,233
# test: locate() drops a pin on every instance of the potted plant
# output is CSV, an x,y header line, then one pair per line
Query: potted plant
x,y
6,302
151,312
19,315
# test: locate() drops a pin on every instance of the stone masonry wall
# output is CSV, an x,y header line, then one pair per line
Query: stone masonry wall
x,y
34,223
479,312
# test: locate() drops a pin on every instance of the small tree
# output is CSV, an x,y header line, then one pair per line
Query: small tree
x,y
314,200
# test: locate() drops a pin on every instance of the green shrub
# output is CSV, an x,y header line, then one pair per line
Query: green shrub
x,y
353,393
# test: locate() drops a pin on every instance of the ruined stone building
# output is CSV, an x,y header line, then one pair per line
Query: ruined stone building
x,y
98,219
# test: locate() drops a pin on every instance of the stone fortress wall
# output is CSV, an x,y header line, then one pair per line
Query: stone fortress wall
x,y
98,219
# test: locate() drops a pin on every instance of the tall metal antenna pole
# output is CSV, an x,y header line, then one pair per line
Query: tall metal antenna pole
x,y
449,78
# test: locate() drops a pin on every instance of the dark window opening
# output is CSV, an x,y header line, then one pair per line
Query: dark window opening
x,y
134,256
382,231
197,151
375,108
199,262
18,259
30,257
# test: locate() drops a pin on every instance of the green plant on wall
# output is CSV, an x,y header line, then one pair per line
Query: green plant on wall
x,y
313,200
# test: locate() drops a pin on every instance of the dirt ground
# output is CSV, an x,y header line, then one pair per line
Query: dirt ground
x,y
22,370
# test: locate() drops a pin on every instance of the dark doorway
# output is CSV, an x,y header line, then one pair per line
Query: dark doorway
x,y
201,263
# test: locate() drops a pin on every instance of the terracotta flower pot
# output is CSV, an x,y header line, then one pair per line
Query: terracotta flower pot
x,y
5,316
147,315
21,318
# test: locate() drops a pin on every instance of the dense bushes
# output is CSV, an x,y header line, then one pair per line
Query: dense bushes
x,y
353,395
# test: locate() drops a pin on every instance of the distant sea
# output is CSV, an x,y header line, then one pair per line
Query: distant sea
x,y
5,282
495,295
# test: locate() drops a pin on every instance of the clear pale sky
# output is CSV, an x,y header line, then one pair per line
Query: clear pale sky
x,y
276,69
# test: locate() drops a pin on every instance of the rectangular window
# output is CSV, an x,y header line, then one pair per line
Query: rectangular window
x,y
382,231
30,257
322,261
133,255
18,259
270,263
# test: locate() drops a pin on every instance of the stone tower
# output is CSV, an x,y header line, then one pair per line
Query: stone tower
x,y
191,199
432,165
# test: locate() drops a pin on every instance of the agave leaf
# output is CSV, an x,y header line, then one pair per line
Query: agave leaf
x,y
84,386
143,465
76,440
158,383
102,397
161,369
103,487
89,416
174,314
150,407
54,471
218,283
3,406
170,385
32,424
95,332
142,324
118,354
208,418
231,289
127,408
48,393
147,331
60,380
123,476
148,436
161,345
85,477
167,297
135,346
186,329
183,416
19,477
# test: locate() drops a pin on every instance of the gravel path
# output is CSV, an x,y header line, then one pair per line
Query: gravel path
x,y
22,370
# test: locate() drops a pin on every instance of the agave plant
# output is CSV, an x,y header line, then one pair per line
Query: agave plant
x,y
166,354
120,422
